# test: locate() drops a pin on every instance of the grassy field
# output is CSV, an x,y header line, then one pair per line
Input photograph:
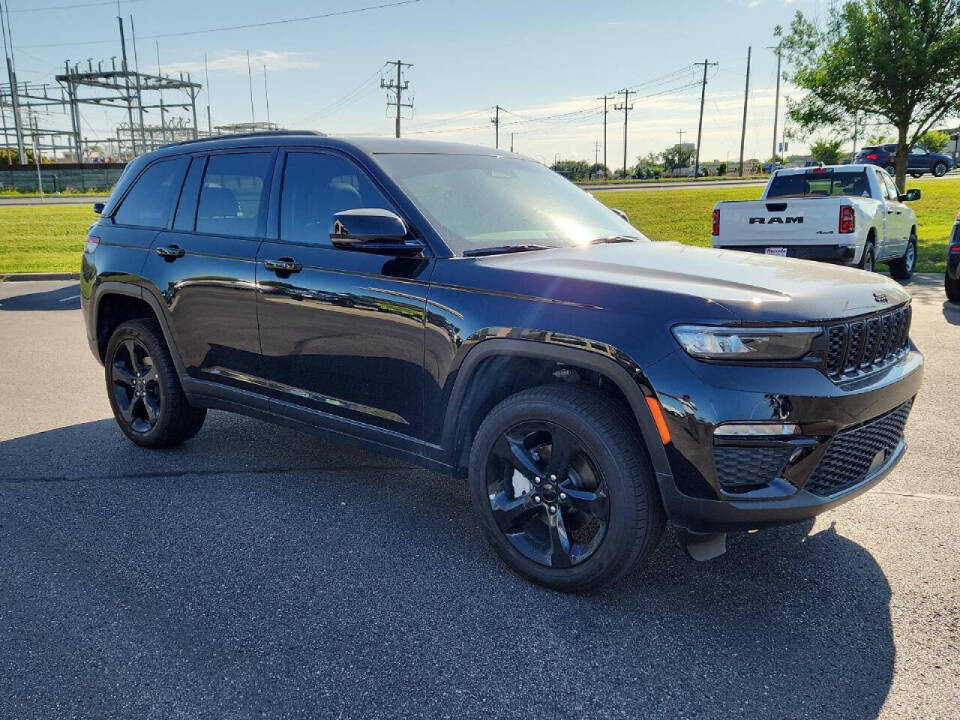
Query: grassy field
x,y
50,238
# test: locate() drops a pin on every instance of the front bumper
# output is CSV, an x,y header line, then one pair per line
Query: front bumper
x,y
830,253
703,494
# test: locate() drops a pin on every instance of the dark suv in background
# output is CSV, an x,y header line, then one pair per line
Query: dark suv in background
x,y
921,161
471,311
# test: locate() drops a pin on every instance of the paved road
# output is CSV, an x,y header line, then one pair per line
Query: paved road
x,y
260,572
53,200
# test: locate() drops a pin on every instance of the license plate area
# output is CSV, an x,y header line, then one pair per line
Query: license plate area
x,y
778,251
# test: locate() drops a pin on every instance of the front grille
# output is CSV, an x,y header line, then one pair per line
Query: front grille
x,y
853,450
749,467
867,344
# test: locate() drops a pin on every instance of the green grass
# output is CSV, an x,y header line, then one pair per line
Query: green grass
x,y
685,214
50,238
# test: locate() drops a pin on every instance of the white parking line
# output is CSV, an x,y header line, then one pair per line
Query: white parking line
x,y
72,297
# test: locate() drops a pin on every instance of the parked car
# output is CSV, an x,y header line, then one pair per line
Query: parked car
x,y
850,214
920,161
470,311
951,279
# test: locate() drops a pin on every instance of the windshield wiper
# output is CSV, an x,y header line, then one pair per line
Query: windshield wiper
x,y
502,249
614,239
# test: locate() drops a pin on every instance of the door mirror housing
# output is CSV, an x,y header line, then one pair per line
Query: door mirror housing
x,y
373,230
910,195
622,214
98,207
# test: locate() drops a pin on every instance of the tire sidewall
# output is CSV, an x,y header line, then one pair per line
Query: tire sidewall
x,y
621,491
940,169
868,250
135,330
909,268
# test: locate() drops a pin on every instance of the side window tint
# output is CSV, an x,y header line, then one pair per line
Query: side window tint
x,y
891,187
152,197
232,194
187,207
315,187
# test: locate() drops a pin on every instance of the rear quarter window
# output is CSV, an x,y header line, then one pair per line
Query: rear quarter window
x,y
150,201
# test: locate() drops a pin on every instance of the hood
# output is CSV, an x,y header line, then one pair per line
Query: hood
x,y
753,287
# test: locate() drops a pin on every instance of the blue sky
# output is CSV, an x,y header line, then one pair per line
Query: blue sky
x,y
537,58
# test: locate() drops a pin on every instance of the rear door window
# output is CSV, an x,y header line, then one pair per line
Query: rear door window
x,y
233,194
151,199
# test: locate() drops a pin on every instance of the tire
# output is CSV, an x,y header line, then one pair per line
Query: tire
x,y
916,175
940,169
867,260
144,391
902,268
952,288
606,506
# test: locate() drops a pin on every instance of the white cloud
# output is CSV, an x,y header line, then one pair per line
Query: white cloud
x,y
275,60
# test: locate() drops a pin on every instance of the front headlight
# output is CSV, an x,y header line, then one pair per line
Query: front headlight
x,y
718,343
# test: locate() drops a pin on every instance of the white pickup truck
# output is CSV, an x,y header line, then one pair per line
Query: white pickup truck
x,y
849,214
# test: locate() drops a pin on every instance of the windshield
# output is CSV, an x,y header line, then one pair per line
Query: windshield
x,y
831,183
483,201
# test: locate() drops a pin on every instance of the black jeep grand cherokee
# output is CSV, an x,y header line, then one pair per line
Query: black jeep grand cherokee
x,y
473,312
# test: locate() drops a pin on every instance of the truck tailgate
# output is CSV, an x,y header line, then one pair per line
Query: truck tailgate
x,y
787,221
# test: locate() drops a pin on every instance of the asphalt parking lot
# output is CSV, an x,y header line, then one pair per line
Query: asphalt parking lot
x,y
258,572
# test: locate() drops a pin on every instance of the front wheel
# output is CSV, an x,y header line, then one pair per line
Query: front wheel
x,y
144,390
867,259
564,489
940,169
902,268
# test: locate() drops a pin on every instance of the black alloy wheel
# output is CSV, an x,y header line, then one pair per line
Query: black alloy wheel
x,y
135,385
547,496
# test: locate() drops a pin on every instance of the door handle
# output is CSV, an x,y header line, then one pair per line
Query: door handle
x,y
171,252
283,265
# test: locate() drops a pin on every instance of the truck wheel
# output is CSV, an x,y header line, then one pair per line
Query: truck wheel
x,y
902,268
564,488
866,261
940,169
952,286
144,390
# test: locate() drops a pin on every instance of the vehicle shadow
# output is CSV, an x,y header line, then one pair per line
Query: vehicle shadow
x,y
62,298
951,311
257,570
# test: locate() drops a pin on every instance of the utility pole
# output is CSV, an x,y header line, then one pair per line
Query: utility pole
x,y
776,107
511,141
496,125
136,67
12,78
206,75
126,85
605,98
626,107
746,93
397,87
856,117
703,96
266,95
253,117
596,150
680,151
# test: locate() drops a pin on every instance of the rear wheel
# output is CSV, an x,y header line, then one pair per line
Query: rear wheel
x,y
564,489
952,286
867,260
902,268
144,390
916,175
940,169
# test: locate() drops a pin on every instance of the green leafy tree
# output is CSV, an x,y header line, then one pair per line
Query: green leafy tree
x,y
676,157
894,61
878,139
934,141
722,169
827,151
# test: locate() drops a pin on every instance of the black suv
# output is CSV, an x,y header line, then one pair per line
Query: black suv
x,y
919,161
471,311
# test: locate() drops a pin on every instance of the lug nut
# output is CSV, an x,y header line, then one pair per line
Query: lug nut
x,y
537,480
536,498
553,508
553,477
563,496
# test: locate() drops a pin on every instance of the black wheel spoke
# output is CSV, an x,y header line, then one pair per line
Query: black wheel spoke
x,y
131,347
559,541
150,375
152,409
508,512
123,376
592,503
129,409
563,448
512,450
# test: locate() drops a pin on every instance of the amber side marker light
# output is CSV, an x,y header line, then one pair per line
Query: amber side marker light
x,y
659,420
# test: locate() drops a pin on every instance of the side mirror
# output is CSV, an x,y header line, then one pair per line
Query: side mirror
x,y
910,195
373,230
622,214
98,207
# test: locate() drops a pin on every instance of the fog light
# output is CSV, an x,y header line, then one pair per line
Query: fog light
x,y
734,430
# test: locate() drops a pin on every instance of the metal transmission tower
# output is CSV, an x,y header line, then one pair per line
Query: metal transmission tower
x,y
496,125
605,98
626,107
703,96
12,78
397,87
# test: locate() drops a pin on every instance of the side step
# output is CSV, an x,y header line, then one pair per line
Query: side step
x,y
702,546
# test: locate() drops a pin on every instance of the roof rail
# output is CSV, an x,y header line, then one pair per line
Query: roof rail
x,y
259,133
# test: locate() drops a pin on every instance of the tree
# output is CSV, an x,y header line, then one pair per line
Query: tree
x,y
933,140
722,169
895,61
827,151
676,156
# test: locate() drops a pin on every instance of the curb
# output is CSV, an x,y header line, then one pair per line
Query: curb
x,y
24,277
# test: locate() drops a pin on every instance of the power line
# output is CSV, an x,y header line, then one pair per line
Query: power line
x,y
71,6
605,98
626,107
246,26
